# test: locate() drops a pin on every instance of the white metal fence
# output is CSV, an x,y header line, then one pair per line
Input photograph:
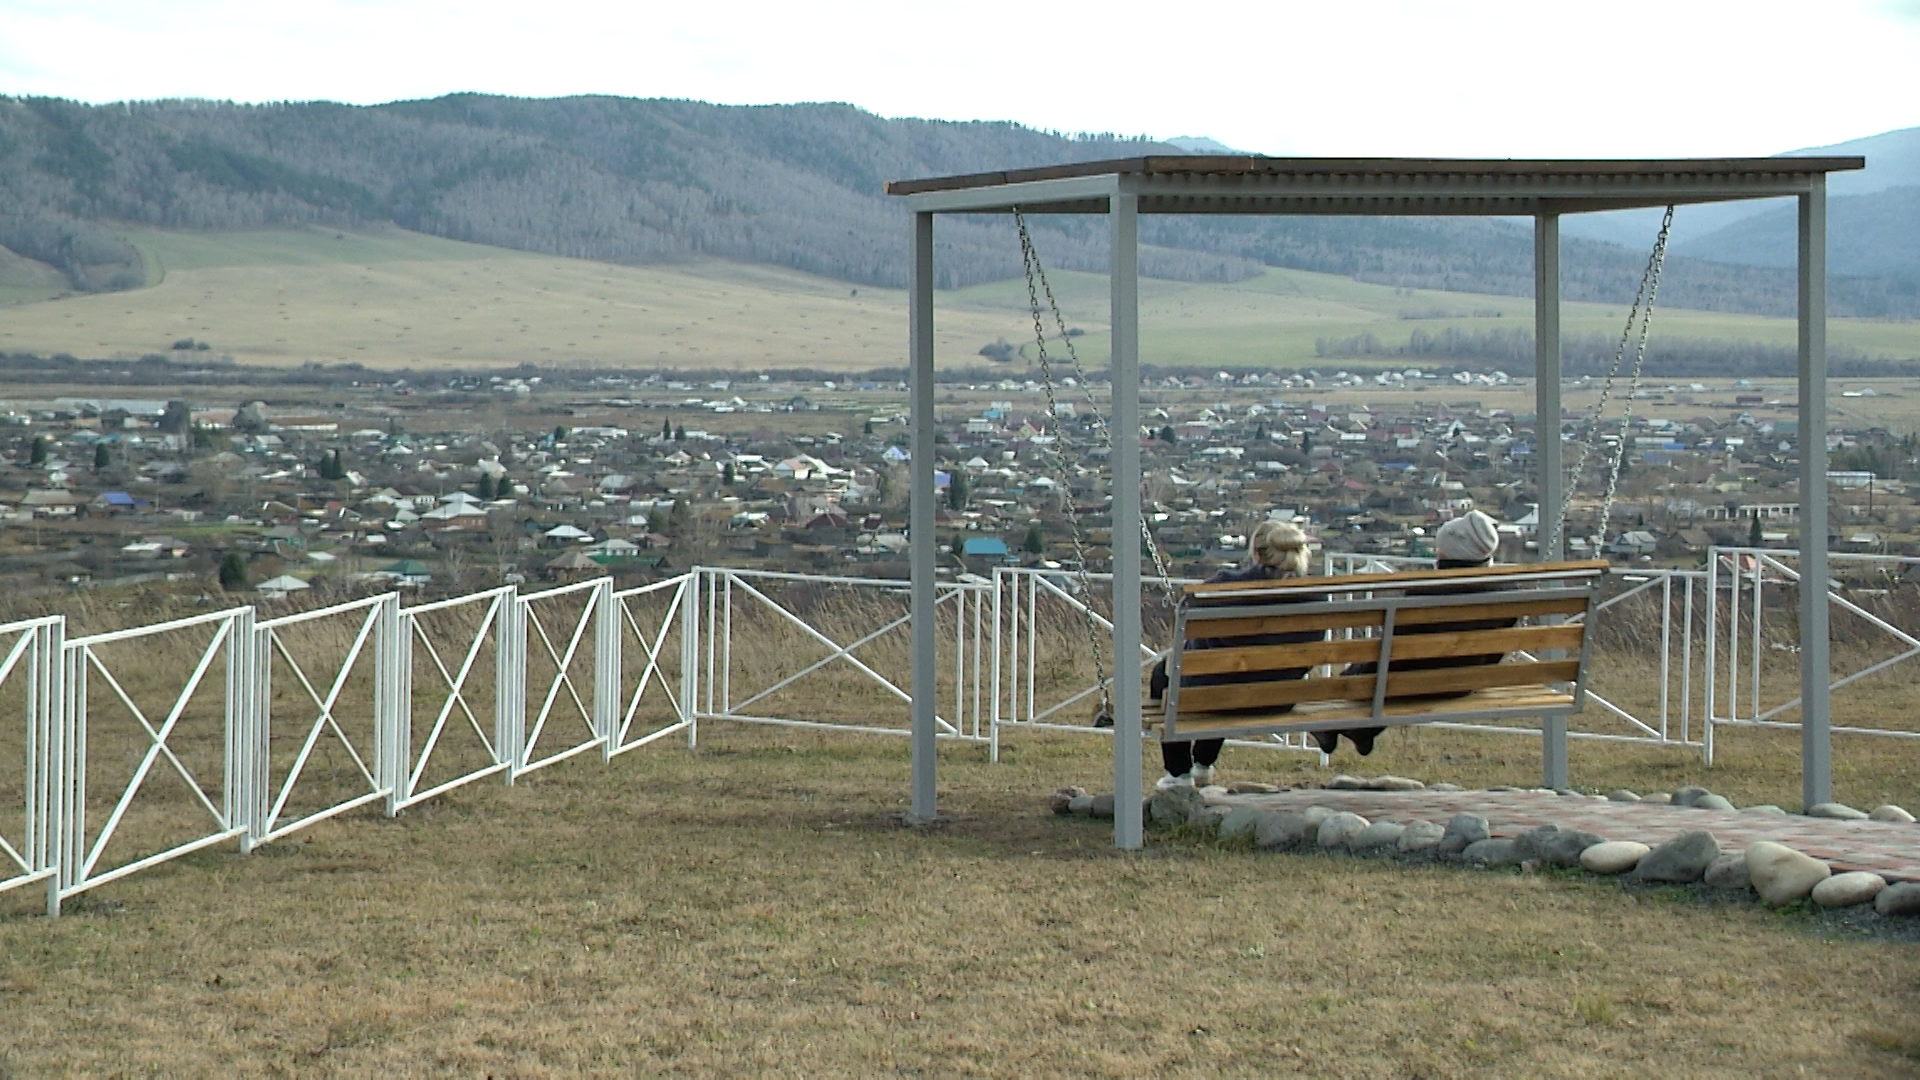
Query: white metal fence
x,y
125,749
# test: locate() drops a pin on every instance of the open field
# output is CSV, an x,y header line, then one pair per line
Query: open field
x,y
396,299
754,907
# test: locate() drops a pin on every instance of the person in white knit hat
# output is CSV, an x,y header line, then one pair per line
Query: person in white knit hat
x,y
1466,541
1469,540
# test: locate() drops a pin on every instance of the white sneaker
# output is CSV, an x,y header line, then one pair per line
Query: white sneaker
x,y
1202,775
1169,782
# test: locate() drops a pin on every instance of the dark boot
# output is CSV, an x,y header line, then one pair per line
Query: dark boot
x,y
1328,741
1362,739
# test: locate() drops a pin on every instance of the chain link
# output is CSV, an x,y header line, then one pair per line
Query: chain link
x,y
1037,284
1649,284
1656,263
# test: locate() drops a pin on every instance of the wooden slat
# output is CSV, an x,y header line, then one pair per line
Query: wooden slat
x,y
1360,687
1244,625
1364,614
1222,589
1491,608
1333,715
1360,650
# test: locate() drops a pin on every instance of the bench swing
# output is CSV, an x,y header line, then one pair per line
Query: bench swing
x,y
1473,643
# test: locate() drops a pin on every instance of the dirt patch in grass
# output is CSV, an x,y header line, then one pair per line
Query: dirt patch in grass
x,y
753,908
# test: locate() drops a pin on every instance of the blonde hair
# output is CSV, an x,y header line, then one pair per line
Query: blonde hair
x,y
1280,545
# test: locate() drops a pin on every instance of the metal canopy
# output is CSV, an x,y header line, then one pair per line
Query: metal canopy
x,y
1543,190
1368,186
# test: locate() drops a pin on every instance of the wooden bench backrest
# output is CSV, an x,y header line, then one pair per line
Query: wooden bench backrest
x,y
1352,602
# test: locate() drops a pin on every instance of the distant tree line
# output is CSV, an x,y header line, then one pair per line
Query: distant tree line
x,y
1592,354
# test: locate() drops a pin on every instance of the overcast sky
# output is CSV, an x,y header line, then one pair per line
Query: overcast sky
x,y
1603,78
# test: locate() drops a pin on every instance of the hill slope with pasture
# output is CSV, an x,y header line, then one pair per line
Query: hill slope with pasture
x,y
393,300
646,182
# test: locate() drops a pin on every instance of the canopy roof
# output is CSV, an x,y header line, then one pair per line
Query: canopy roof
x,y
1232,184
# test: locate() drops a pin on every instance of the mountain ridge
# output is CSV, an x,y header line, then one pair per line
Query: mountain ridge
x,y
640,181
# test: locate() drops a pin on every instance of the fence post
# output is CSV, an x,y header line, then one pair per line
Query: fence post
x,y
46,756
73,814
606,666
690,656
392,701
250,723
510,680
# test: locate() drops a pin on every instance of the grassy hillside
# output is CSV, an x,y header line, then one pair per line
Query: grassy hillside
x,y
644,182
395,299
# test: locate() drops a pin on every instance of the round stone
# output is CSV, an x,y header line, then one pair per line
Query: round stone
x,y
1764,808
1728,872
1380,834
1240,821
1836,812
1491,852
1660,797
1899,900
1343,782
1681,860
1420,836
1443,786
1622,795
1102,807
1687,796
1565,847
1891,812
1252,787
1338,830
1081,805
1463,829
1849,889
1394,783
1613,856
1061,801
1782,875
1710,801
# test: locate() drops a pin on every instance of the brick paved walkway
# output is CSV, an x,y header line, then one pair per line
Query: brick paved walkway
x,y
1889,849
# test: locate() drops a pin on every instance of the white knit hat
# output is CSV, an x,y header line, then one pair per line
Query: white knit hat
x,y
1471,538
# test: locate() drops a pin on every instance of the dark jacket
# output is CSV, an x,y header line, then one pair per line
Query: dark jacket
x,y
1433,663
1157,682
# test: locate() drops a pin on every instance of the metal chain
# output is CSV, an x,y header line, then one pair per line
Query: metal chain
x,y
1656,263
1031,262
1034,269
1648,277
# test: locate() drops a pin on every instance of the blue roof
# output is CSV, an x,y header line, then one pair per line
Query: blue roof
x,y
118,498
987,546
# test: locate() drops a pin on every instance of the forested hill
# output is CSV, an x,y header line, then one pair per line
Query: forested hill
x,y
648,180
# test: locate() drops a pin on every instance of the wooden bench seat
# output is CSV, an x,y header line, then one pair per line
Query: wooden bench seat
x,y
1531,615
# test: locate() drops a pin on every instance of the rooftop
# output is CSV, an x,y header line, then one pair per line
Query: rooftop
x,y
1202,184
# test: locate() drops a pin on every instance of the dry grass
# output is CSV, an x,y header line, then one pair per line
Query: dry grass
x,y
754,907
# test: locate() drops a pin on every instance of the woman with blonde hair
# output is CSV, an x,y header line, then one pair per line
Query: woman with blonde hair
x,y
1275,550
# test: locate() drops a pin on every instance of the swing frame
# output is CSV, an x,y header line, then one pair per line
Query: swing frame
x,y
1232,184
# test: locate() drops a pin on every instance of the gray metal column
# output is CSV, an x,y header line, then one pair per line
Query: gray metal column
x,y
920,520
1546,428
1816,740
1125,316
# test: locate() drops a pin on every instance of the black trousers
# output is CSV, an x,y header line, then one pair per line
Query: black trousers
x,y
1181,757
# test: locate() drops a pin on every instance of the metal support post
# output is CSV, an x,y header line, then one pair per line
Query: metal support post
x,y
1816,738
690,656
48,707
509,682
606,667
923,541
1125,317
392,702
1546,427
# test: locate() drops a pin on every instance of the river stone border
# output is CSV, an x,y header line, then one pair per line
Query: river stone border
x,y
1773,873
